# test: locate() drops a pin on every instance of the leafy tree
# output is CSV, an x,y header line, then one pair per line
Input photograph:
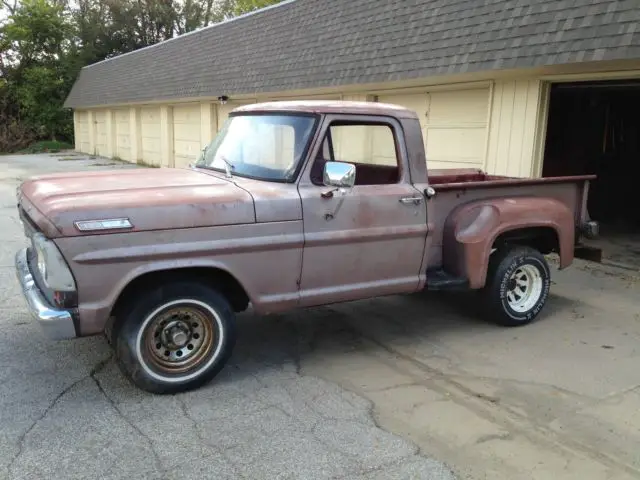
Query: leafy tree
x,y
45,43
238,7
33,45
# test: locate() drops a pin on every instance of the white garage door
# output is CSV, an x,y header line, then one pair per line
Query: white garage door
x,y
100,122
150,126
82,132
123,135
454,125
186,134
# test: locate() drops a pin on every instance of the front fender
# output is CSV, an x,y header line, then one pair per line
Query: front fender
x,y
471,230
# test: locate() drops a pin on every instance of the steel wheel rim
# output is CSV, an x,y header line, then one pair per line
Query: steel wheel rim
x,y
178,338
524,288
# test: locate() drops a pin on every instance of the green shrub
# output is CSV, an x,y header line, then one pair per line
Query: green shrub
x,y
47,146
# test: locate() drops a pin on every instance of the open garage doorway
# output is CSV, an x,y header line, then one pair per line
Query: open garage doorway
x,y
594,128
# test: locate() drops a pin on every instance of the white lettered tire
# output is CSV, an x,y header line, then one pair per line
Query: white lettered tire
x,y
174,338
517,286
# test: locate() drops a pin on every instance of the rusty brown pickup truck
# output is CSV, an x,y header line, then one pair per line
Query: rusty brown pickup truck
x,y
292,205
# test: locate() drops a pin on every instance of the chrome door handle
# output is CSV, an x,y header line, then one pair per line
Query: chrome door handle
x,y
411,200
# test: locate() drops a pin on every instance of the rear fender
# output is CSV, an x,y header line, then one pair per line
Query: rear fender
x,y
472,229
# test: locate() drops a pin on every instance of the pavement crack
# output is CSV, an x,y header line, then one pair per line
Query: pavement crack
x,y
52,404
23,437
94,372
187,415
221,451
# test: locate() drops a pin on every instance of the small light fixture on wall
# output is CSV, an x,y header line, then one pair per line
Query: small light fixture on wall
x,y
223,99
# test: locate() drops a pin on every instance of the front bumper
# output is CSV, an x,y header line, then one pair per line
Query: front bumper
x,y
57,324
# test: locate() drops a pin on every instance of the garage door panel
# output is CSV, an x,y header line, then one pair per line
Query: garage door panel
x,y
150,145
101,132
460,106
186,114
456,145
185,152
454,125
150,126
123,140
122,116
190,132
150,116
186,134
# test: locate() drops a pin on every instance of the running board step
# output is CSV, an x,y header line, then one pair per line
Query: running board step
x,y
441,280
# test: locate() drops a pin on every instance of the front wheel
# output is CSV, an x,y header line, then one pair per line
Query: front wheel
x,y
517,287
175,338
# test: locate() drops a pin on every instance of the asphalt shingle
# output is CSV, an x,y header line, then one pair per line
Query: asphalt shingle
x,y
309,43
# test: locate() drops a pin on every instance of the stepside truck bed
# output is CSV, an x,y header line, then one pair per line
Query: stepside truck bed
x,y
459,188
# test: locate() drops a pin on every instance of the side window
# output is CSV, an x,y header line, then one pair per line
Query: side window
x,y
371,147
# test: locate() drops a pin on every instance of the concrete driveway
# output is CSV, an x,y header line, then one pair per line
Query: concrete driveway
x,y
371,389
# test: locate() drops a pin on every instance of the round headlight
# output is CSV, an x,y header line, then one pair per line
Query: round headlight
x,y
52,267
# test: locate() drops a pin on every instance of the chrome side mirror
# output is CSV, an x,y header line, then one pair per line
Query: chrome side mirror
x,y
339,175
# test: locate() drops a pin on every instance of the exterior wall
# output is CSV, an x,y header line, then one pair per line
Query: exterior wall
x,y
515,127
494,125
81,130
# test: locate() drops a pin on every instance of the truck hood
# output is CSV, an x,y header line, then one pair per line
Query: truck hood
x,y
152,199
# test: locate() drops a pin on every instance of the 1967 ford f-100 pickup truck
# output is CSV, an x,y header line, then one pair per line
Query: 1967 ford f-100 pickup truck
x,y
292,205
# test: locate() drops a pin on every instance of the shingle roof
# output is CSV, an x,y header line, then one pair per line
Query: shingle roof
x,y
320,43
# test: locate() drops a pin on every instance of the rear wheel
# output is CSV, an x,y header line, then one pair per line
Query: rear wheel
x,y
175,338
517,287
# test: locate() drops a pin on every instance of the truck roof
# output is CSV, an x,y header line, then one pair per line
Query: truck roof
x,y
330,106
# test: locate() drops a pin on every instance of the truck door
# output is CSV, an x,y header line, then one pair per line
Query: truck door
x,y
369,240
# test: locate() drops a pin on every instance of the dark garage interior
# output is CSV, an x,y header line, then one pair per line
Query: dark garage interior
x,y
594,128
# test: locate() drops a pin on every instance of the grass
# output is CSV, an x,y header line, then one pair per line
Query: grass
x,y
47,146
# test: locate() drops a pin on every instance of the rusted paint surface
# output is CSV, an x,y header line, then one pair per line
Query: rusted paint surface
x,y
326,246
250,253
152,199
374,244
472,228
274,202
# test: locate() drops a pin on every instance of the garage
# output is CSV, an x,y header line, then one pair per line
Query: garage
x,y
150,133
123,135
186,134
100,124
594,128
454,124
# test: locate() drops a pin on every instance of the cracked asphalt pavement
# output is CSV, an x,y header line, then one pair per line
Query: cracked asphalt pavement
x,y
67,412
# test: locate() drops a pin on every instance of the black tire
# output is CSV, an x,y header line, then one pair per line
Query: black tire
x,y
502,293
187,311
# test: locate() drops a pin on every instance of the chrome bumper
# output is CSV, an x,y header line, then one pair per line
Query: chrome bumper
x,y
56,324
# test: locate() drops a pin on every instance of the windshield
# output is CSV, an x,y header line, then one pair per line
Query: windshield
x,y
265,147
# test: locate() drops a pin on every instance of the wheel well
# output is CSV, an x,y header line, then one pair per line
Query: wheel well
x,y
543,239
221,280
